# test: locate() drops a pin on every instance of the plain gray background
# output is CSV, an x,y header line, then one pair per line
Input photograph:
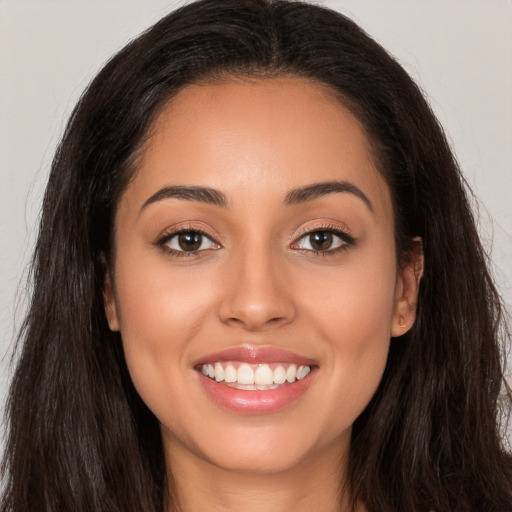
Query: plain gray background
x,y
459,51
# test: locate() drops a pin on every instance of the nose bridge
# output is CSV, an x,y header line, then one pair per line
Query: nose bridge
x,y
257,296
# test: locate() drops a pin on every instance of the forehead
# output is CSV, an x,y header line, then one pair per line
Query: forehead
x,y
280,133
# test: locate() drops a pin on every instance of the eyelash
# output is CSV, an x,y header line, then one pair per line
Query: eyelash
x,y
168,236
347,241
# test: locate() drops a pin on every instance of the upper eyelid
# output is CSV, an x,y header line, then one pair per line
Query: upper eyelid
x,y
308,228
344,237
186,228
163,242
165,238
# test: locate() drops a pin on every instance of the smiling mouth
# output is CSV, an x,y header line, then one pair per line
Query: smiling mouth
x,y
252,377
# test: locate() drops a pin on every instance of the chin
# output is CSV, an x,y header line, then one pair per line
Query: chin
x,y
269,449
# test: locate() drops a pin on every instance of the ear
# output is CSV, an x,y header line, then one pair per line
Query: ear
x,y
109,301
406,290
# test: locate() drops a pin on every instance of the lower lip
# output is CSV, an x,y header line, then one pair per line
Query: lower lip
x,y
256,401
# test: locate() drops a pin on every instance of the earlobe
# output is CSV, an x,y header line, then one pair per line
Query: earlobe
x,y
406,291
109,302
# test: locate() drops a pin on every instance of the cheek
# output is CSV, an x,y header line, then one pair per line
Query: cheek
x,y
157,302
351,310
355,299
160,312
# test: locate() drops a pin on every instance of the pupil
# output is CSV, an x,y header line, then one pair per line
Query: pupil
x,y
190,241
321,240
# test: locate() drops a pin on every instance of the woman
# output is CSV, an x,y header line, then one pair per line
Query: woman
x,y
257,282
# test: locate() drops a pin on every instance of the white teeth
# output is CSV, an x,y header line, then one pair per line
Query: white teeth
x,y
302,372
219,372
230,374
255,376
245,374
264,375
279,375
291,373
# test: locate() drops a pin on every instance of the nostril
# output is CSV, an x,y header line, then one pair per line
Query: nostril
x,y
276,320
257,301
254,322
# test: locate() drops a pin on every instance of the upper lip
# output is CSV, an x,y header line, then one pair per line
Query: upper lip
x,y
252,355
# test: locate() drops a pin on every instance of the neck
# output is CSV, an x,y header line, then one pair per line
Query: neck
x,y
310,485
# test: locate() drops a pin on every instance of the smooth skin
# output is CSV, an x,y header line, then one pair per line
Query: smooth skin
x,y
257,277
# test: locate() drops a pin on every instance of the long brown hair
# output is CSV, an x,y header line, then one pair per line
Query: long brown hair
x,y
80,439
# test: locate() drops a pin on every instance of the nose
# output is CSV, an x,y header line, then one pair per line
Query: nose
x,y
257,296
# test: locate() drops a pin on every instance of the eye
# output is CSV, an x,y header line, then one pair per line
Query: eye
x,y
324,241
187,242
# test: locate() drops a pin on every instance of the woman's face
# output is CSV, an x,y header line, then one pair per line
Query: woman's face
x,y
255,244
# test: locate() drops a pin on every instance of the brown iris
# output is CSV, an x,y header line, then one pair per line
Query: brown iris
x,y
190,241
320,240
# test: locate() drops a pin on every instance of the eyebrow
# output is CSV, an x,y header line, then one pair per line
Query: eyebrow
x,y
316,190
296,196
200,194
